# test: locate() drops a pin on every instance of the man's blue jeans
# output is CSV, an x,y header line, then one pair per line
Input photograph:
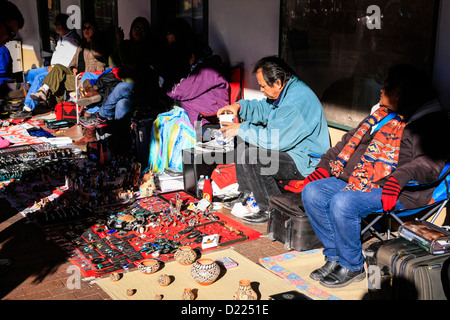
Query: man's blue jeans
x,y
118,104
336,215
35,78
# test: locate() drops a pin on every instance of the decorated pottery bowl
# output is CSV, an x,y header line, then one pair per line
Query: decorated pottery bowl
x,y
149,266
185,255
205,271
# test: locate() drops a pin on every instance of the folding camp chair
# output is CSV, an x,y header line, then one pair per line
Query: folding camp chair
x,y
440,198
78,86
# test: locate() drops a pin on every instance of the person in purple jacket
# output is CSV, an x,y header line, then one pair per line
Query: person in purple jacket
x,y
205,89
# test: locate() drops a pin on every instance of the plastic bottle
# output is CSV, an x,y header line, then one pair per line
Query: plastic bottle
x,y
200,184
207,189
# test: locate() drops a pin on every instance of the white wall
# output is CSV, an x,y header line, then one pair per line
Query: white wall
x,y
31,43
241,34
442,66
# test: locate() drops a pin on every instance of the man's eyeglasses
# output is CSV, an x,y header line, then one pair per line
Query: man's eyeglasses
x,y
10,32
87,28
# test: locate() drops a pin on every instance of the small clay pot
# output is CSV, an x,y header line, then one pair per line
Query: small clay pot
x,y
164,280
149,266
187,294
115,276
185,255
245,291
131,292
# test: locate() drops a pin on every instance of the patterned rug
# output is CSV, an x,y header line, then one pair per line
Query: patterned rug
x,y
295,267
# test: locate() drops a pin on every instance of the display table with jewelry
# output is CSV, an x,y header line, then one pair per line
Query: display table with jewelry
x,y
120,238
109,218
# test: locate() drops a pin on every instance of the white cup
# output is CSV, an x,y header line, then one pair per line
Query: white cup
x,y
229,117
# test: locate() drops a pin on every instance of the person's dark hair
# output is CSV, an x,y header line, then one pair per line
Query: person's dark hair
x,y
146,24
10,12
200,50
92,23
61,19
182,30
273,69
413,86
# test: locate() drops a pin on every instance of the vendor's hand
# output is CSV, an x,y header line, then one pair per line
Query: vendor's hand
x,y
49,68
120,35
230,129
234,109
390,194
318,174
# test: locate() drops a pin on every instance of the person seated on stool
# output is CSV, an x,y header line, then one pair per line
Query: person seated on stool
x,y
89,57
277,134
65,49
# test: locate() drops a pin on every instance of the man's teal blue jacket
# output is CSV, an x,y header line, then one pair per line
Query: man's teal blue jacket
x,y
295,123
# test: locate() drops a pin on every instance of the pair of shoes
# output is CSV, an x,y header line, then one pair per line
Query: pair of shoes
x,y
23,114
242,198
323,271
341,277
40,95
89,98
258,217
94,120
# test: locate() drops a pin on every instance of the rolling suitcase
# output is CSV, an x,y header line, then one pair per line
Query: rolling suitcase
x,y
404,270
289,224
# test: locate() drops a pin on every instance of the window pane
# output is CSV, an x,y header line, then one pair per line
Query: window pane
x,y
343,48
105,13
192,12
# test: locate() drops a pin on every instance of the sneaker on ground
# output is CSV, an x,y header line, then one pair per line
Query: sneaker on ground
x,y
23,114
241,211
40,95
94,120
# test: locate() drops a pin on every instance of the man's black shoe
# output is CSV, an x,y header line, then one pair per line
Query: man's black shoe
x,y
323,271
258,218
23,114
242,198
341,277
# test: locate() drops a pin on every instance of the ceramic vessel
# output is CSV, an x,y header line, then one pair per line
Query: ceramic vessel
x,y
115,276
164,280
205,271
187,294
185,255
245,291
148,266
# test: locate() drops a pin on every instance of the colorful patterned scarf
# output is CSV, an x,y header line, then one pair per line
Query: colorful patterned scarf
x,y
381,156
